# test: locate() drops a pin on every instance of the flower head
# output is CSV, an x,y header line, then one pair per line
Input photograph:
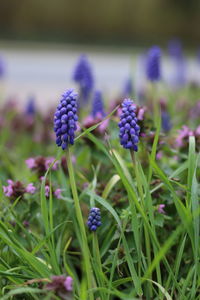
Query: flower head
x,y
128,127
60,284
97,105
153,64
17,189
83,76
65,119
30,189
160,208
94,219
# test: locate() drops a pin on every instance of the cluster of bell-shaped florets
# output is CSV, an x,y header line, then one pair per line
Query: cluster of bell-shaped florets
x,y
65,119
129,129
94,219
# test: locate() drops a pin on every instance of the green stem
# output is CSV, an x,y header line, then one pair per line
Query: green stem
x,y
141,194
97,264
79,217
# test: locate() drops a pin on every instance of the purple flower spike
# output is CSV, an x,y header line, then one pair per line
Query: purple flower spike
x,y
128,128
94,219
30,107
84,77
2,67
128,88
65,119
97,105
153,64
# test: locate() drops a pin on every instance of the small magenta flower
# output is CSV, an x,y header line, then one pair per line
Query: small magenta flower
x,y
128,127
30,189
30,162
60,284
161,208
47,190
153,64
84,77
97,105
65,119
94,219
58,194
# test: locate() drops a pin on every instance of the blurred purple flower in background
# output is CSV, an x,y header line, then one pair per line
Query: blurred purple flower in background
x,y
30,107
2,67
65,119
97,105
153,72
84,77
176,53
128,88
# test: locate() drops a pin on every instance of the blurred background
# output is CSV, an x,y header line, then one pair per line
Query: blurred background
x,y
41,41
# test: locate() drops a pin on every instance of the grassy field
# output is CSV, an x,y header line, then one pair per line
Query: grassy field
x,y
147,246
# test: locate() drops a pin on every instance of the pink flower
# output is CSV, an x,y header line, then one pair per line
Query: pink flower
x,y
30,188
68,283
30,162
57,193
184,133
47,190
159,155
197,131
49,161
160,208
141,112
8,190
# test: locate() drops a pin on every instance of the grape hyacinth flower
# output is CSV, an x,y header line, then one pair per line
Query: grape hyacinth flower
x,y
94,219
153,64
128,127
65,119
84,77
97,105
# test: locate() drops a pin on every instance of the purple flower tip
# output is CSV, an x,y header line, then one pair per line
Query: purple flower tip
x,y
65,119
128,127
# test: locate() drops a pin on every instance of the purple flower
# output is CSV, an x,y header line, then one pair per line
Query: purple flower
x,y
60,284
30,188
57,193
166,121
65,119
30,162
153,64
30,108
84,77
128,127
160,208
97,105
2,67
47,190
94,219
